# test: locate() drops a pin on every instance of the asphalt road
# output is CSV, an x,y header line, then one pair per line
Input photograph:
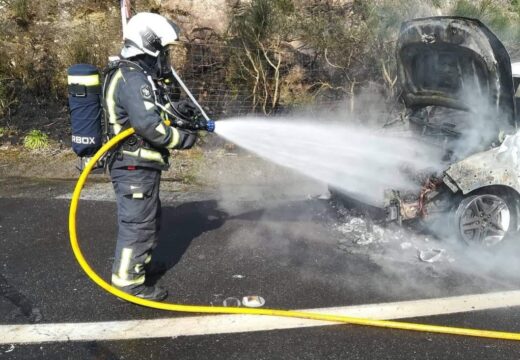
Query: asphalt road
x,y
283,248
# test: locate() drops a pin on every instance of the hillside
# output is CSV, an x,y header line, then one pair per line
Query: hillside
x,y
264,56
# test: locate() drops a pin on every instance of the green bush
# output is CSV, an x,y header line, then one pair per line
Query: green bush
x,y
501,19
36,140
19,10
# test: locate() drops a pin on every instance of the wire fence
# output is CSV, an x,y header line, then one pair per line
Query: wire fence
x,y
230,81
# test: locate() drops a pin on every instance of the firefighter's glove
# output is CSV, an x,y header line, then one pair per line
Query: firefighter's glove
x,y
187,109
185,139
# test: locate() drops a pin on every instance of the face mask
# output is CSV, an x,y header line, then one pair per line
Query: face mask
x,y
163,63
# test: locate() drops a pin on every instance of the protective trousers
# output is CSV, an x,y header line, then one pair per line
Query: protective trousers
x,y
138,214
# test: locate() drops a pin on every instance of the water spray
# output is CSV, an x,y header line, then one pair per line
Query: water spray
x,y
208,125
231,310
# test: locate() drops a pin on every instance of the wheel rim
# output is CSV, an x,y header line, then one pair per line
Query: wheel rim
x,y
483,220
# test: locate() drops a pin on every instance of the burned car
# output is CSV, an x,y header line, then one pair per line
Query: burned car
x,y
459,90
458,87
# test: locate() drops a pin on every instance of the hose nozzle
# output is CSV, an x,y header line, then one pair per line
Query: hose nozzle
x,y
210,126
195,125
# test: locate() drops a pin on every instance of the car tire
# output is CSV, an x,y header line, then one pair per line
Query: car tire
x,y
485,219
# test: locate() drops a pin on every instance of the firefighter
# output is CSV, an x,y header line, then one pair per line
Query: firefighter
x,y
133,98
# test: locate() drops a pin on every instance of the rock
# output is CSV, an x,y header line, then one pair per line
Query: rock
x,y
191,14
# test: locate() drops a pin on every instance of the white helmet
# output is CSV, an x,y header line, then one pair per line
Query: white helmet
x,y
148,33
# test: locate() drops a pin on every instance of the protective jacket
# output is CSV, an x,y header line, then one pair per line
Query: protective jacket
x,y
131,100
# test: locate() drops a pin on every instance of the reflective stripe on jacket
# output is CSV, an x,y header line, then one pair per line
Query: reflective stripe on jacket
x,y
130,102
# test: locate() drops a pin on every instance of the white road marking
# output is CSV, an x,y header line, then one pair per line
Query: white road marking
x,y
225,324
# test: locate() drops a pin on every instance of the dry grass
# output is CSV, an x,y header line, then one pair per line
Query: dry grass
x,y
351,45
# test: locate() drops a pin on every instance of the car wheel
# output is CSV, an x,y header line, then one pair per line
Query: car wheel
x,y
484,220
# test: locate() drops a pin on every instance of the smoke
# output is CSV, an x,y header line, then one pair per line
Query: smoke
x,y
361,162
364,162
480,127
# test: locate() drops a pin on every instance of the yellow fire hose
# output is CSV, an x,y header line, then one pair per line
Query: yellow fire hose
x,y
235,310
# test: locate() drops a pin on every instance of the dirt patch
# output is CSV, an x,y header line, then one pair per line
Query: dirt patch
x,y
18,162
211,166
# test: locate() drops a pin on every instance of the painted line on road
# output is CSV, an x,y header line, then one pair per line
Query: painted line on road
x,y
225,324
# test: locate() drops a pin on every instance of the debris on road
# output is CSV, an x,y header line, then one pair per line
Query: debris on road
x,y
324,196
231,302
361,231
383,243
253,301
431,255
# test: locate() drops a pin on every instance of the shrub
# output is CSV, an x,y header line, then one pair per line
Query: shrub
x,y
7,97
501,19
346,45
19,10
36,140
87,46
257,33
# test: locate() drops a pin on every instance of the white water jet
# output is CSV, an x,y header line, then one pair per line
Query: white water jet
x,y
361,162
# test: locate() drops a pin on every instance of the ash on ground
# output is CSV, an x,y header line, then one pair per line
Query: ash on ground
x,y
361,233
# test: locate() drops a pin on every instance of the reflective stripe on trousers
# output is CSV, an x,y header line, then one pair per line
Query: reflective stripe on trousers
x,y
138,213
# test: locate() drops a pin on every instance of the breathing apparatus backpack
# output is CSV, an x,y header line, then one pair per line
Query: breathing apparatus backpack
x,y
90,130
87,116
86,110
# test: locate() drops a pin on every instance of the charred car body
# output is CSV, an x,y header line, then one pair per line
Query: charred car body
x,y
459,91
